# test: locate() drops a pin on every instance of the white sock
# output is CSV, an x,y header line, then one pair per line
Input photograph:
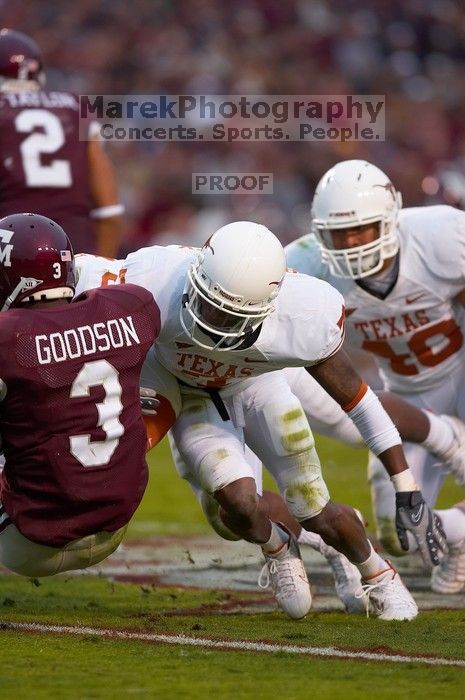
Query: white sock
x,y
440,437
278,539
310,538
453,522
372,566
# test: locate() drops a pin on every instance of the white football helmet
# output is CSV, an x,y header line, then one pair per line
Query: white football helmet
x,y
231,286
354,193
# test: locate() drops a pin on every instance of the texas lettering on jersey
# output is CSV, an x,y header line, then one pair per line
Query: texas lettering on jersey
x,y
392,326
210,372
306,327
415,331
427,348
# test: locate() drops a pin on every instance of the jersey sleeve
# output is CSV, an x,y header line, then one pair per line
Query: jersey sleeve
x,y
446,257
95,271
333,323
314,327
82,263
303,255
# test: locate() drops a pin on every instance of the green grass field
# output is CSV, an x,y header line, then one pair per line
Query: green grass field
x,y
87,665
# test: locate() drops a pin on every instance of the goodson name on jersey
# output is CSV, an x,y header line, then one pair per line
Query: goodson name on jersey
x,y
86,340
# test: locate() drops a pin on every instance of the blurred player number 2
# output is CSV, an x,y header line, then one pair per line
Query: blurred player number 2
x,y
57,173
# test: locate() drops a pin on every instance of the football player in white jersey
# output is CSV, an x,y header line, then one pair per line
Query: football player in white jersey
x,y
231,310
402,274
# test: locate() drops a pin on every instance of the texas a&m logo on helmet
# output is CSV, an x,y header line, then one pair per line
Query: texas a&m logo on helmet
x,y
5,247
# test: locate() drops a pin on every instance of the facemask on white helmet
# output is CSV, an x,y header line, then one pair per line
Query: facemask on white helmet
x,y
352,194
231,286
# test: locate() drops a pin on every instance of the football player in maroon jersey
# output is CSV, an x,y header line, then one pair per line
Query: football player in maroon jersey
x,y
73,435
44,167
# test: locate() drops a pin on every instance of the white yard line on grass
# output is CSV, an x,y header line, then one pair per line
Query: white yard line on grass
x,y
326,652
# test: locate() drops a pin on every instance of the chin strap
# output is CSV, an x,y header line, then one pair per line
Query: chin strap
x,y
25,283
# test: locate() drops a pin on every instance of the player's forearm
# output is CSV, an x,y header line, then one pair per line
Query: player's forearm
x,y
383,439
339,378
412,423
377,429
107,209
108,234
395,464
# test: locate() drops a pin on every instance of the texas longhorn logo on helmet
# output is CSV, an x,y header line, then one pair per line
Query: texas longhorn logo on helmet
x,y
207,244
390,188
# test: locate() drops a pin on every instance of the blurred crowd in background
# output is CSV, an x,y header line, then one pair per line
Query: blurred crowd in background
x,y
413,51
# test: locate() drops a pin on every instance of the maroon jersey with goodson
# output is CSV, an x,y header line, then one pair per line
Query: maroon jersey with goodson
x,y
73,433
43,164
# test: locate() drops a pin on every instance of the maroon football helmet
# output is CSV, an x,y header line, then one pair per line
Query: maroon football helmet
x,y
20,57
36,260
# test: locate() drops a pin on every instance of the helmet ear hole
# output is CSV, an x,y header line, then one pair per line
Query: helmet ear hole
x,y
352,194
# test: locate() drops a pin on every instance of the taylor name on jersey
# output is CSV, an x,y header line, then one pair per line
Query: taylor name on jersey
x,y
415,331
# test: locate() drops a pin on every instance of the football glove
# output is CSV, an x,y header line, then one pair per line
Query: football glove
x,y
149,404
414,515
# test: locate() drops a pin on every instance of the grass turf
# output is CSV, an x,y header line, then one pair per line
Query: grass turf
x,y
43,665
91,667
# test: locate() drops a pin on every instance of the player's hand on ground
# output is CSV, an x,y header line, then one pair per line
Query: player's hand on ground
x,y
414,515
149,404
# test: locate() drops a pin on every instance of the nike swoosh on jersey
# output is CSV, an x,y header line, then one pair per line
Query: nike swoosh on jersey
x,y
182,346
414,298
350,311
248,359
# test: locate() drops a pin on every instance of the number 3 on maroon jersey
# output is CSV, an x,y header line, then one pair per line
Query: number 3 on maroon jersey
x,y
97,453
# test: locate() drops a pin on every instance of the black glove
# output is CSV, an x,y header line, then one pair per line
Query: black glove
x,y
148,403
413,515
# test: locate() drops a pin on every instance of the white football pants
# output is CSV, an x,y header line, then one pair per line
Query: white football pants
x,y
267,416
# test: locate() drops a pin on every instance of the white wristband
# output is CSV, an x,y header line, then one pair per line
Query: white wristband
x,y
374,424
107,212
404,481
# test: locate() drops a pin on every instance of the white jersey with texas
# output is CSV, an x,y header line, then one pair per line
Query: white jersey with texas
x,y
306,326
415,330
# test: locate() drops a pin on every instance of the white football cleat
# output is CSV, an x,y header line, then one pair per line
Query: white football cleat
x,y
387,597
347,579
449,576
454,458
286,575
